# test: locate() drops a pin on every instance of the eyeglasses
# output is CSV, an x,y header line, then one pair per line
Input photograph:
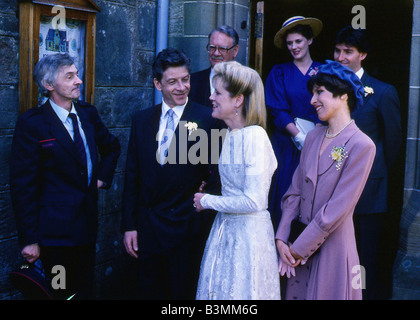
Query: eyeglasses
x,y
212,49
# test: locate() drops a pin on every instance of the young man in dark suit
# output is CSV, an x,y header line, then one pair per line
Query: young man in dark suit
x,y
380,119
165,167
62,154
223,46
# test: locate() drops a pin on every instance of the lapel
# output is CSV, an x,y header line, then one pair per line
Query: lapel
x,y
58,131
208,93
366,83
150,137
325,160
312,172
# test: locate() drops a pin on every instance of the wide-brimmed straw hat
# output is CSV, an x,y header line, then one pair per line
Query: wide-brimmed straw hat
x,y
314,23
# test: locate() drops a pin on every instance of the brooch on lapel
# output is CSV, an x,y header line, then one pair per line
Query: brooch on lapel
x,y
191,126
313,71
368,91
338,154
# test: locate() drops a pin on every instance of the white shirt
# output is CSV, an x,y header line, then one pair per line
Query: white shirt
x,y
360,73
211,81
178,111
63,115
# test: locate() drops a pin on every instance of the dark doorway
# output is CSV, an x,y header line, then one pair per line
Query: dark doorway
x,y
389,23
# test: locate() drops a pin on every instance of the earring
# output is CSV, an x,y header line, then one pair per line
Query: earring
x,y
236,111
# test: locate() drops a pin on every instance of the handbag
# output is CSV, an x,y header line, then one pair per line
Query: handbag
x,y
296,228
31,281
303,126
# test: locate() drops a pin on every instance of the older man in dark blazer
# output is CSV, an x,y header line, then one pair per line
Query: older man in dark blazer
x,y
380,119
61,154
161,227
223,46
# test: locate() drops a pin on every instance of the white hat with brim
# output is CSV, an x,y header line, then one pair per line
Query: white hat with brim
x,y
314,23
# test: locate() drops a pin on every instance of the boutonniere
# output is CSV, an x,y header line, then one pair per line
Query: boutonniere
x,y
313,71
368,91
191,126
338,154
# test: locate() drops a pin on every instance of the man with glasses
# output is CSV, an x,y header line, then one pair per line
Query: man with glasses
x,y
223,46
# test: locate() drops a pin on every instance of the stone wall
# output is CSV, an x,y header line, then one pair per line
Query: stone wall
x,y
9,73
190,23
406,273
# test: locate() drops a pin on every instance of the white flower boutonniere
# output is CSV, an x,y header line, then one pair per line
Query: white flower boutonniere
x,y
368,91
191,126
338,154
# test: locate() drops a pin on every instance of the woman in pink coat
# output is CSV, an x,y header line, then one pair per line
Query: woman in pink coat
x,y
322,262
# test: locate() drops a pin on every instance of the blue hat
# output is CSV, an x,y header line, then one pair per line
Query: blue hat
x,y
344,73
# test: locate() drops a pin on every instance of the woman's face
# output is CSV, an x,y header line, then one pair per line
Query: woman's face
x,y
326,105
298,45
223,104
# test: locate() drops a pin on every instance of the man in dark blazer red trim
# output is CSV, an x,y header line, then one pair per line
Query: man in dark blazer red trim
x,y
223,46
380,119
54,188
161,228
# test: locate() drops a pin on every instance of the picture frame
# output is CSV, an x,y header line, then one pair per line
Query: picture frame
x,y
48,26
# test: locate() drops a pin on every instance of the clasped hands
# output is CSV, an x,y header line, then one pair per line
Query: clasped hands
x,y
197,197
288,259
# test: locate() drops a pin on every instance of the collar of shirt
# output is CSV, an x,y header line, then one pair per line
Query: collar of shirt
x,y
211,81
61,112
178,110
360,73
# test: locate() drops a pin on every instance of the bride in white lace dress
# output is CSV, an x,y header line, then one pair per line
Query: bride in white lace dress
x,y
240,260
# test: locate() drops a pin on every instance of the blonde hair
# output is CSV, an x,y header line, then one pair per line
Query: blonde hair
x,y
238,79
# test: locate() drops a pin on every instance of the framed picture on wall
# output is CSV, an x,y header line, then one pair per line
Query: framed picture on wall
x,y
48,27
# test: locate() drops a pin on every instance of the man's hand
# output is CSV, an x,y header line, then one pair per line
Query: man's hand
x,y
31,252
130,243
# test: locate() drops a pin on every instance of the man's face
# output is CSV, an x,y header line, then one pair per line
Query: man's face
x,y
174,85
67,85
349,56
220,48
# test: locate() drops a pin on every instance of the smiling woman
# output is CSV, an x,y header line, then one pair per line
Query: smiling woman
x,y
288,99
338,158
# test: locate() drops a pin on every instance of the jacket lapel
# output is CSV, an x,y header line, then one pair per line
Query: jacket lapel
x,y
366,83
326,160
312,172
58,131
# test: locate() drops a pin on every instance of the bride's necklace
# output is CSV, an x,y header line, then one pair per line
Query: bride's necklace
x,y
330,136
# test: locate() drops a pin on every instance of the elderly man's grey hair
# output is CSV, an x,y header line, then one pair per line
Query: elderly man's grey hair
x,y
229,31
47,69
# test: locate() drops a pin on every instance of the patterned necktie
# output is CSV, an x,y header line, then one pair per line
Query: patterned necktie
x,y
80,146
167,135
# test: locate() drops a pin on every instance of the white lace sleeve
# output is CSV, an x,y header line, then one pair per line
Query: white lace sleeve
x,y
251,183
